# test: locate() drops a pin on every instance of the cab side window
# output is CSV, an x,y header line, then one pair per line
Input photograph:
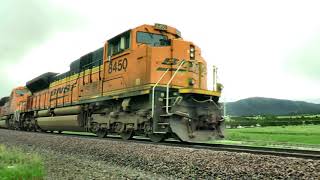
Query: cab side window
x,y
119,44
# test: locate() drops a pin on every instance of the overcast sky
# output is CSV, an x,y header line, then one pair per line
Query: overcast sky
x,y
262,48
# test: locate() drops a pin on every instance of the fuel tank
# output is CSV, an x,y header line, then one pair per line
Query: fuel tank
x,y
67,110
44,113
60,123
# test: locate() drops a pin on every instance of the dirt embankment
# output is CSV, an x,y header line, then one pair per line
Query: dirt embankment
x,y
87,158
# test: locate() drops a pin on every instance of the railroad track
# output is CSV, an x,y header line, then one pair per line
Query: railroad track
x,y
283,152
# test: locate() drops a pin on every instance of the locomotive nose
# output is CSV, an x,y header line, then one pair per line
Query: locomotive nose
x,y
187,130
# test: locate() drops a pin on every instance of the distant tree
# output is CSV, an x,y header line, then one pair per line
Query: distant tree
x,y
270,117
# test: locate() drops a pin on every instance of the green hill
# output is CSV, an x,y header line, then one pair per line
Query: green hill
x,y
269,106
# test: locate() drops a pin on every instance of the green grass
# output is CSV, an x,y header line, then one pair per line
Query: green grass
x,y
304,136
15,164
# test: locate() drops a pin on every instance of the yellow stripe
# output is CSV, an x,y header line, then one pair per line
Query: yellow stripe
x,y
76,76
87,72
96,69
199,91
145,89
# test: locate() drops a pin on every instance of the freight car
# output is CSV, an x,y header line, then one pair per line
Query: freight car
x,y
146,81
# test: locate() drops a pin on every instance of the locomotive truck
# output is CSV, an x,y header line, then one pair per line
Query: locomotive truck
x,y
146,81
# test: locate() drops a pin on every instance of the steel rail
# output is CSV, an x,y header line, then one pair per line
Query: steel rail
x,y
283,152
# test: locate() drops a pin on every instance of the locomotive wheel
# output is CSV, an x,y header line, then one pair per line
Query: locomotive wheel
x,y
126,135
102,133
157,137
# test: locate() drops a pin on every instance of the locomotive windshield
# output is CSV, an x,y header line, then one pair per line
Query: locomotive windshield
x,y
152,39
21,92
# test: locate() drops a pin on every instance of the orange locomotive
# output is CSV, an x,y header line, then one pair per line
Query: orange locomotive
x,y
145,81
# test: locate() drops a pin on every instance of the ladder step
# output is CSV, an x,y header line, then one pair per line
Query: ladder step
x,y
166,106
163,123
159,132
165,115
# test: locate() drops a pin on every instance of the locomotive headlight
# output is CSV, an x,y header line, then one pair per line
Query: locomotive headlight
x,y
192,52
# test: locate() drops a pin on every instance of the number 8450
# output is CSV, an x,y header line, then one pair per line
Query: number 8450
x,y
118,65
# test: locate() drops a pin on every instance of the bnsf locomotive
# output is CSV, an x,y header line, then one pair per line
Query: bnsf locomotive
x,y
146,81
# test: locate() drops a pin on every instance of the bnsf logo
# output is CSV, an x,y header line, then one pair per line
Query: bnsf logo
x,y
61,90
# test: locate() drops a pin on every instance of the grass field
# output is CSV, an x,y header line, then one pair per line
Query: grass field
x,y
305,136
14,164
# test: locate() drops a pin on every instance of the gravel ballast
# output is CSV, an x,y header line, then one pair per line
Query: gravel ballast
x,y
70,157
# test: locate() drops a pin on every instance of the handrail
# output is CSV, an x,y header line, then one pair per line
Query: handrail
x,y
215,77
167,99
153,89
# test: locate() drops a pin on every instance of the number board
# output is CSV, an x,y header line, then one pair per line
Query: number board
x,y
118,65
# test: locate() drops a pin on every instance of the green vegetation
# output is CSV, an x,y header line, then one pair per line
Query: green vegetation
x,y
14,164
272,120
304,135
